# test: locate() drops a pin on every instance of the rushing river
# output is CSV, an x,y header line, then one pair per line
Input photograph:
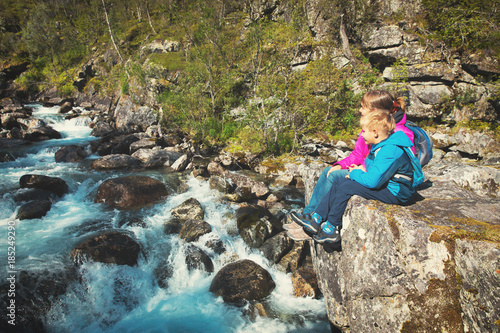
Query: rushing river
x,y
120,298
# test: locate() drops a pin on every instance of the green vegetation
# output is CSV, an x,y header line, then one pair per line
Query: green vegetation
x,y
465,24
233,79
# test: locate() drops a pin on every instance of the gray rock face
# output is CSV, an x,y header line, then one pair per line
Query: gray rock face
x,y
430,265
129,116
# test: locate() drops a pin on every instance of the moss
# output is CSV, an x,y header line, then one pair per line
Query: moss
x,y
438,309
391,220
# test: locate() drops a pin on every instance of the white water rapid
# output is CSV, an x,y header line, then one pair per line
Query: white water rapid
x,y
119,298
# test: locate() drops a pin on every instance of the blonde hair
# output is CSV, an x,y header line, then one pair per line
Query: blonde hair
x,y
381,99
380,120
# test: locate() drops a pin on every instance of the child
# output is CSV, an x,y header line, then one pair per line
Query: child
x,y
388,177
375,99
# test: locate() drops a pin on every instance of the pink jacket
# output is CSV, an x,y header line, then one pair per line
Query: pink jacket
x,y
361,149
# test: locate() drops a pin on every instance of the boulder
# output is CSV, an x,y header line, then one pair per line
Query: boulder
x,y
258,188
146,143
198,259
255,224
425,266
153,158
276,247
30,194
70,153
180,164
242,280
33,209
6,157
35,293
191,230
101,129
52,184
190,209
110,247
66,107
305,283
131,192
42,133
115,161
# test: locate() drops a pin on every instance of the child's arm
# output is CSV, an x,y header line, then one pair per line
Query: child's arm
x,y
357,156
382,169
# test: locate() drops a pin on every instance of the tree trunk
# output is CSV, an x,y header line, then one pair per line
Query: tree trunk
x,y
110,32
345,42
149,17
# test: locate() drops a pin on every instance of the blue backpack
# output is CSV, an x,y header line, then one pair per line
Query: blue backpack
x,y
422,142
418,175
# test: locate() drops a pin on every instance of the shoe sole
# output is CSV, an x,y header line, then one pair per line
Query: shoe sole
x,y
298,239
330,241
291,226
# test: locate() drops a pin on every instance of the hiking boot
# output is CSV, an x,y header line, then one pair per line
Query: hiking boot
x,y
291,226
328,234
310,222
298,234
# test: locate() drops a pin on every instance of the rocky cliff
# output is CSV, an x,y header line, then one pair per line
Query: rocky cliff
x,y
430,266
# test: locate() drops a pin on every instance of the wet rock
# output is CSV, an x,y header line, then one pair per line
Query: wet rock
x,y
33,210
198,259
115,161
71,153
296,257
163,272
191,230
221,184
255,224
131,192
42,133
216,245
305,283
190,209
53,184
6,157
111,247
30,194
172,226
242,280
240,194
35,293
276,247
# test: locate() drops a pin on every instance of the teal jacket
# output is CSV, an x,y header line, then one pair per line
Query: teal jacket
x,y
387,165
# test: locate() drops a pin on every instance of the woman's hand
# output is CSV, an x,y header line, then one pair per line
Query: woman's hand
x,y
333,168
